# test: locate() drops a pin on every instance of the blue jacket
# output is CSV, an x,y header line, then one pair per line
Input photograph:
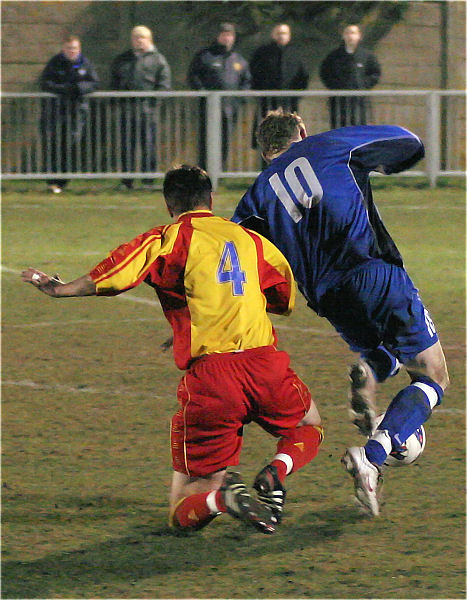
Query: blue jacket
x,y
73,80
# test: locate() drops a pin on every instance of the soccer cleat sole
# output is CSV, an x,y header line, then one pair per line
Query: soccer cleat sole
x,y
270,491
275,503
247,509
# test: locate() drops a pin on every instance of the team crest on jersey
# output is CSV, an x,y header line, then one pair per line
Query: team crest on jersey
x,y
237,66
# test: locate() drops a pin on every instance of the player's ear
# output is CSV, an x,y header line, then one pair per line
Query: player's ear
x,y
302,131
210,201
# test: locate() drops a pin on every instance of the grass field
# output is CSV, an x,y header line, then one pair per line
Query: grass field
x,y
88,396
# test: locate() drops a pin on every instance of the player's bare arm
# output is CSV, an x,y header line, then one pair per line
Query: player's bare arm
x,y
55,288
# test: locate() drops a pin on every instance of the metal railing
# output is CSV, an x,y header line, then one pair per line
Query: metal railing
x,y
142,134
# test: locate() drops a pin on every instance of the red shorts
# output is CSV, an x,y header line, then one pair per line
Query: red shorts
x,y
221,393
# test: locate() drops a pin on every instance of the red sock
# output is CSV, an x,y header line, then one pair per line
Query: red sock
x,y
297,449
193,511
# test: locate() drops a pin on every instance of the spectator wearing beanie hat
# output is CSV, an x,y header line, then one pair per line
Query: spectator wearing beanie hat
x,y
219,67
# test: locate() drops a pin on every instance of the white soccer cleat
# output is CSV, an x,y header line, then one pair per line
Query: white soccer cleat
x,y
366,478
362,406
55,189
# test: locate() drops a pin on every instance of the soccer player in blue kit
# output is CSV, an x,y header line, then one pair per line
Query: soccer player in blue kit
x,y
314,202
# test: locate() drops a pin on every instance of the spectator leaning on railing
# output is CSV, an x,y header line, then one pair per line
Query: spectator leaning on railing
x,y
142,68
70,76
278,66
349,67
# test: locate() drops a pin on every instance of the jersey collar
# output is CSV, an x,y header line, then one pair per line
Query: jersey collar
x,y
204,212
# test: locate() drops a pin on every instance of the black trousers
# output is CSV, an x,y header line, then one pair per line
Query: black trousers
x,y
62,128
229,114
138,128
345,111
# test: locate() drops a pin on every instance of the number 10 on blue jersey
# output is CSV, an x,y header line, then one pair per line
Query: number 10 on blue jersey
x,y
234,274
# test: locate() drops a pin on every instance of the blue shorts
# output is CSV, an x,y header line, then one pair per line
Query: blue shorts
x,y
377,304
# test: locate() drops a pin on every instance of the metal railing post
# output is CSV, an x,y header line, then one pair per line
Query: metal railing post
x,y
213,137
433,131
36,130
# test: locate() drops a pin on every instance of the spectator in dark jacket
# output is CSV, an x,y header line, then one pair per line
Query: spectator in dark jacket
x,y
219,67
277,66
349,67
70,76
142,68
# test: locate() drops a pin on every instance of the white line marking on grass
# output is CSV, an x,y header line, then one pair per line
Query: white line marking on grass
x,y
420,207
89,253
75,389
383,206
140,300
121,296
77,321
307,330
115,392
15,206
224,210
8,270
78,205
156,304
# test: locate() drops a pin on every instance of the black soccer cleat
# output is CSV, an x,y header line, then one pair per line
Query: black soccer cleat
x,y
270,490
241,505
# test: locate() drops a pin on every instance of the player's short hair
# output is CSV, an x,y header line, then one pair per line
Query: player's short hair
x,y
277,129
186,187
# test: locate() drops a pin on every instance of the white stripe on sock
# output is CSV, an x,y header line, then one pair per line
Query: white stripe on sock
x,y
211,502
285,458
382,437
429,392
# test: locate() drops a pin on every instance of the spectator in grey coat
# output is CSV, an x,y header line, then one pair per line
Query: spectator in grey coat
x,y
142,68
349,67
219,67
70,76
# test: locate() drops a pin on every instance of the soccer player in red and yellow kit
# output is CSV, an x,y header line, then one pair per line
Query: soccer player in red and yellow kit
x,y
215,281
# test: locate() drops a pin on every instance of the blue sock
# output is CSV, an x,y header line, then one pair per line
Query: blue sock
x,y
375,452
410,408
382,363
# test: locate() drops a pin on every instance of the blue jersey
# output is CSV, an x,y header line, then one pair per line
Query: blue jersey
x,y
314,202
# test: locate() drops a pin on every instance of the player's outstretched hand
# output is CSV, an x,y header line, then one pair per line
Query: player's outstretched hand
x,y
43,282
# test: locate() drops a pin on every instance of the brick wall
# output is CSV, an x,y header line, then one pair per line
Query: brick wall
x,y
32,33
410,54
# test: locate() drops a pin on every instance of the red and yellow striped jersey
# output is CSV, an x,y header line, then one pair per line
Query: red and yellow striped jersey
x,y
215,281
